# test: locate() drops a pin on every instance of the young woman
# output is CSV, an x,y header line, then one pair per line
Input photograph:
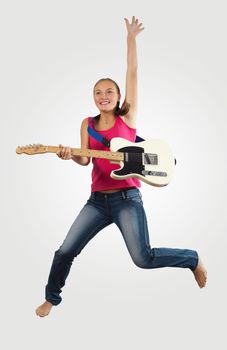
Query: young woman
x,y
113,201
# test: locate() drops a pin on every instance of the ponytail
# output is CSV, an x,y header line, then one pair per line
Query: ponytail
x,y
123,110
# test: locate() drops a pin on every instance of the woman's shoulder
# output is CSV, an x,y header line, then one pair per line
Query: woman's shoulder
x,y
122,118
85,121
84,124
125,121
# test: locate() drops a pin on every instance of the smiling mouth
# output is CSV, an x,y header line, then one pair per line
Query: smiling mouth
x,y
104,103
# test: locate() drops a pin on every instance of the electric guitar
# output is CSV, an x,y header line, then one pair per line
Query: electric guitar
x,y
150,161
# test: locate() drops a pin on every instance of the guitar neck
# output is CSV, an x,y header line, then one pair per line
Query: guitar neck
x,y
114,156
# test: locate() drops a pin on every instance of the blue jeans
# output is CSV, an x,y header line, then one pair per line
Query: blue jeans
x,y
125,209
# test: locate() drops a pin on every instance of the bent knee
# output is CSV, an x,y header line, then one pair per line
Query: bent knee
x,y
145,260
142,263
64,255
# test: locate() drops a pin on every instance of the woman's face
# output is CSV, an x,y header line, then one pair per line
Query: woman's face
x,y
106,96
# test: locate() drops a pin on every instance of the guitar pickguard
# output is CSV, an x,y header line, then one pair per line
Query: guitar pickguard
x,y
133,161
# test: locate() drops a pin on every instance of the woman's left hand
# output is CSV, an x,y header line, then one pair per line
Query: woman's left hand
x,y
133,28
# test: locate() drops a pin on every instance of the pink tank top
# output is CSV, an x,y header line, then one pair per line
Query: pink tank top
x,y
101,180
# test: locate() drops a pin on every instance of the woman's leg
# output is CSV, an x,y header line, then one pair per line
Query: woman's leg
x,y
87,224
132,222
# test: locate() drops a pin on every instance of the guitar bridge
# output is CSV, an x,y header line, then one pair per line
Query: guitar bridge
x,y
154,173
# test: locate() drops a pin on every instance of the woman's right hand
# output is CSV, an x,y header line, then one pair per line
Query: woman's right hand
x,y
64,153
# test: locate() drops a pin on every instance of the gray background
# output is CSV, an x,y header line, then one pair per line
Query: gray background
x,y
52,54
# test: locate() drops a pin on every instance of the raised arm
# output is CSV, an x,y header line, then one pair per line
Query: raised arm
x,y
133,29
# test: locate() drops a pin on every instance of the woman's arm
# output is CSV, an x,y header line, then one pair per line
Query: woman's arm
x,y
131,97
65,152
84,139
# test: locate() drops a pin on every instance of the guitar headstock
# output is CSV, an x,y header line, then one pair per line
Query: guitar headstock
x,y
32,149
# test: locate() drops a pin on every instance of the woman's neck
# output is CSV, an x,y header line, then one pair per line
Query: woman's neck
x,y
105,122
106,119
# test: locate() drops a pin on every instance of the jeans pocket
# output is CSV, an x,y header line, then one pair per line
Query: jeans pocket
x,y
135,197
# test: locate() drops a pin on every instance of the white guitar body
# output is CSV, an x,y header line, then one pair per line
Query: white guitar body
x,y
151,161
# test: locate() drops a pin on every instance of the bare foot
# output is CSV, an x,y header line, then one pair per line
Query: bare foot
x,y
44,309
200,274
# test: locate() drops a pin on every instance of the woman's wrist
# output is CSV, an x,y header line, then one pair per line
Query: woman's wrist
x,y
81,160
131,37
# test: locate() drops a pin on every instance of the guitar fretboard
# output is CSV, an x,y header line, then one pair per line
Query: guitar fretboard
x,y
114,156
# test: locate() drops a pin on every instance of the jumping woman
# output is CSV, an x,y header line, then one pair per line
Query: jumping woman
x,y
113,201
